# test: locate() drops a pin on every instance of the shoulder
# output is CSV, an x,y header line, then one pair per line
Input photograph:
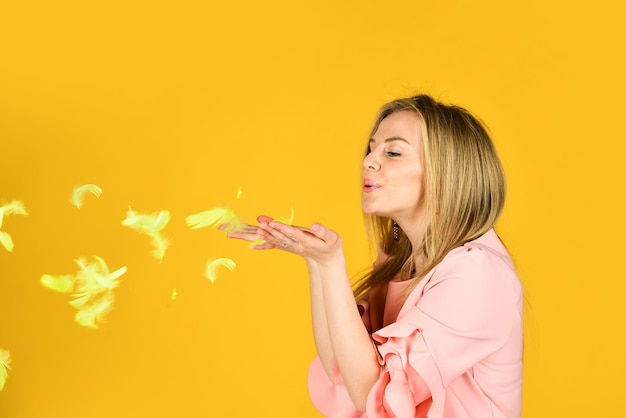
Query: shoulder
x,y
481,262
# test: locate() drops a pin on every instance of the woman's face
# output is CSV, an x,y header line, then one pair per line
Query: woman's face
x,y
393,171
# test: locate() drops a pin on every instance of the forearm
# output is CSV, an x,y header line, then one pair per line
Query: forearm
x,y
339,332
351,343
320,325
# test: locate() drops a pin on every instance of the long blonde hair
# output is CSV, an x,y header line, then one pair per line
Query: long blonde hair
x,y
464,191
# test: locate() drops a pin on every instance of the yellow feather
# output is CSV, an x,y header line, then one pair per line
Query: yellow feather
x,y
214,218
286,221
91,287
160,245
256,242
151,225
16,207
78,194
93,279
5,363
6,241
146,223
63,284
88,315
239,192
174,293
212,265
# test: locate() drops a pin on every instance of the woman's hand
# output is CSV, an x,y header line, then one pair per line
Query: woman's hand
x,y
316,243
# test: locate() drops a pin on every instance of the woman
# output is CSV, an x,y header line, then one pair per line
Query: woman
x,y
435,329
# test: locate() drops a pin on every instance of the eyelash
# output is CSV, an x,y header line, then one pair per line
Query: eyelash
x,y
390,154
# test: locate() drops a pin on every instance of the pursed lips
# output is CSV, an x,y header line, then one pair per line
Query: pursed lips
x,y
370,185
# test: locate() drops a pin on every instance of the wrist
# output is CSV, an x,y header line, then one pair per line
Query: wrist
x,y
332,262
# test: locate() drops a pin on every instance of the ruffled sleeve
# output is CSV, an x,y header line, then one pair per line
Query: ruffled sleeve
x,y
464,314
400,389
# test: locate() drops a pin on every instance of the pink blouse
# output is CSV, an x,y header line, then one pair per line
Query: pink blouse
x,y
453,349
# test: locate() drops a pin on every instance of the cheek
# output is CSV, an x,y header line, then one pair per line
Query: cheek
x,y
414,185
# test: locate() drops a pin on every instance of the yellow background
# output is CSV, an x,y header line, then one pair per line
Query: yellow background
x,y
174,105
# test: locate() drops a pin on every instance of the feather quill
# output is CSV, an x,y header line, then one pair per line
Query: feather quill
x,y
151,225
215,218
78,194
212,265
5,363
16,207
6,241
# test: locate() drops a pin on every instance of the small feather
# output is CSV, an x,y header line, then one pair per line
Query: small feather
x,y
212,265
151,225
239,192
214,218
88,315
63,284
78,194
6,241
146,223
160,245
16,207
5,363
94,279
91,287
174,293
286,221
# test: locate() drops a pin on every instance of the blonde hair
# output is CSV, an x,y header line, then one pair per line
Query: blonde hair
x,y
464,191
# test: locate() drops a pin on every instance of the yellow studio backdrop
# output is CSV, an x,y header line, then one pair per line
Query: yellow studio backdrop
x,y
174,105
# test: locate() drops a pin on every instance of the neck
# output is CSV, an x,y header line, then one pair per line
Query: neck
x,y
415,233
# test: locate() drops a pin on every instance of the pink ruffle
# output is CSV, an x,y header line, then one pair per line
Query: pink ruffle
x,y
401,389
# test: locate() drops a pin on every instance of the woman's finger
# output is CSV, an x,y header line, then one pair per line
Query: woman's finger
x,y
263,218
274,235
246,232
295,233
264,246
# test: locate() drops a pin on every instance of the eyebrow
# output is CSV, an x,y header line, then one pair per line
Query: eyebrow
x,y
390,139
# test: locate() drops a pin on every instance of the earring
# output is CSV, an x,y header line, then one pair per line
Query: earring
x,y
396,231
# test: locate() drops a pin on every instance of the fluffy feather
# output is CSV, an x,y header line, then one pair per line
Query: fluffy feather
x,y
89,314
16,207
151,225
212,265
91,287
6,241
78,194
93,280
215,218
5,363
239,192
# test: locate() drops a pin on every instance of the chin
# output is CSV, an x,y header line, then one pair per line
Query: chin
x,y
368,210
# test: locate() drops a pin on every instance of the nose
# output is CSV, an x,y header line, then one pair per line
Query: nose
x,y
370,162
